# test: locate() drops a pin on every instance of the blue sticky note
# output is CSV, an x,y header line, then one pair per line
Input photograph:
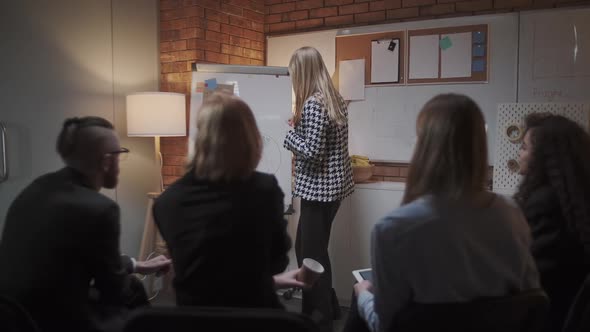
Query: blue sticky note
x,y
211,84
479,50
478,37
478,66
445,43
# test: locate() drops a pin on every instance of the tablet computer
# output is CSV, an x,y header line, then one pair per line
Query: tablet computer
x,y
364,274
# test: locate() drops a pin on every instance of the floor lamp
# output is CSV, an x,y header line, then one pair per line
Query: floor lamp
x,y
155,114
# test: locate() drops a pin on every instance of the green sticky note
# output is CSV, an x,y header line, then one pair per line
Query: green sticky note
x,y
445,43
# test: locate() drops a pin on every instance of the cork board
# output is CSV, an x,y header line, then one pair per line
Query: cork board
x,y
480,57
359,47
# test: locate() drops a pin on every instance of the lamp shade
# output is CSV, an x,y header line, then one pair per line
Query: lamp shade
x,y
156,114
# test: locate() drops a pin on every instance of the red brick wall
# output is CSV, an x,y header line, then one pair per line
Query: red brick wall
x,y
228,32
288,16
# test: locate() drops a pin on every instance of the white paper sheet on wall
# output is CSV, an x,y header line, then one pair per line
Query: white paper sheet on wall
x,y
351,79
455,61
424,56
385,61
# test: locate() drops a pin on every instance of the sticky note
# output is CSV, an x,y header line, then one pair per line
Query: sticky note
x,y
478,66
479,37
479,50
445,43
211,84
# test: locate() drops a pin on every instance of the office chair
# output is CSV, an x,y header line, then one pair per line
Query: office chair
x,y
14,318
216,319
524,312
578,319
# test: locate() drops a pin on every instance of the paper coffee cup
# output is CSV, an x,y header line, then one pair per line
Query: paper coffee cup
x,y
310,271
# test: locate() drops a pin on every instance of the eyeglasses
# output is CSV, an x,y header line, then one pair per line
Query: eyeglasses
x,y
122,153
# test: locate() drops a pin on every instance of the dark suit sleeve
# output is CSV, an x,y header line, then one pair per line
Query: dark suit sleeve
x,y
109,274
281,242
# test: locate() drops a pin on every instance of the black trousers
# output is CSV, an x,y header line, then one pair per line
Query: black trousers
x,y
313,236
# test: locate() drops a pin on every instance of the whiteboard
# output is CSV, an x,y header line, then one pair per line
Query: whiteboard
x,y
554,56
269,97
383,125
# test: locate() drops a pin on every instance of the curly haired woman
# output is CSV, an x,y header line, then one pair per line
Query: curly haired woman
x,y
555,197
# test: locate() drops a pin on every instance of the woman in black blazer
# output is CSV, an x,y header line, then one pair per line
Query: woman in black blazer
x,y
223,221
555,197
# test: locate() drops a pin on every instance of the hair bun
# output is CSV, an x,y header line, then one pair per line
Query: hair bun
x,y
71,121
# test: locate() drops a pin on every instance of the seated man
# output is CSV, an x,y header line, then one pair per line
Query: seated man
x,y
61,235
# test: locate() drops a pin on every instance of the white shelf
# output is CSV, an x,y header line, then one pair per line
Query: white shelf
x,y
382,185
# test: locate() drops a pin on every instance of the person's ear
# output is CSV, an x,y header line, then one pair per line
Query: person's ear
x,y
106,162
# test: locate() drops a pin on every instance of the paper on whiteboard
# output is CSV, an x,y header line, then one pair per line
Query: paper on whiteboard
x,y
351,79
384,62
424,56
455,61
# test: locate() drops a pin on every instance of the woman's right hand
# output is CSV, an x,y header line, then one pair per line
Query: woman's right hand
x,y
291,122
288,280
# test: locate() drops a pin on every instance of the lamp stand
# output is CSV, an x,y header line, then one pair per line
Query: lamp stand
x,y
152,243
159,162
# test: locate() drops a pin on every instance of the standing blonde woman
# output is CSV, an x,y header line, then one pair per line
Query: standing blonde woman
x,y
323,171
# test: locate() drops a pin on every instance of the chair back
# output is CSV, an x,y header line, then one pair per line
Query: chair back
x,y
524,312
205,319
14,318
578,318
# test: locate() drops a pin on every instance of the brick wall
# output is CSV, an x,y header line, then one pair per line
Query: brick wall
x,y
288,16
224,31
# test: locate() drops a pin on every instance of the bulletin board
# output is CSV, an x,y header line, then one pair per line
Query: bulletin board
x,y
448,55
359,47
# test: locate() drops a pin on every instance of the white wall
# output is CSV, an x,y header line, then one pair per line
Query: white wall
x,y
135,68
65,58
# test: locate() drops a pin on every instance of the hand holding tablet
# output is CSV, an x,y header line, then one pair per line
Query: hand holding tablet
x,y
364,274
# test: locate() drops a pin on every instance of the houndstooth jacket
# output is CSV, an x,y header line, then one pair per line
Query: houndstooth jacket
x,y
323,168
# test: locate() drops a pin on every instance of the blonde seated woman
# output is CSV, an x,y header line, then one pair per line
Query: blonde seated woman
x,y
223,221
451,240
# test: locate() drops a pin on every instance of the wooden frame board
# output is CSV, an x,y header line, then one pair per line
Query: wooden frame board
x,y
359,47
476,76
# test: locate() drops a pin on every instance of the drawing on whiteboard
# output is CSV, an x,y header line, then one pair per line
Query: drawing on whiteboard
x,y
271,155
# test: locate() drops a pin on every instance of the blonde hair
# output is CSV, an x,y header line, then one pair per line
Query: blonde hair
x,y
451,156
228,145
309,75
